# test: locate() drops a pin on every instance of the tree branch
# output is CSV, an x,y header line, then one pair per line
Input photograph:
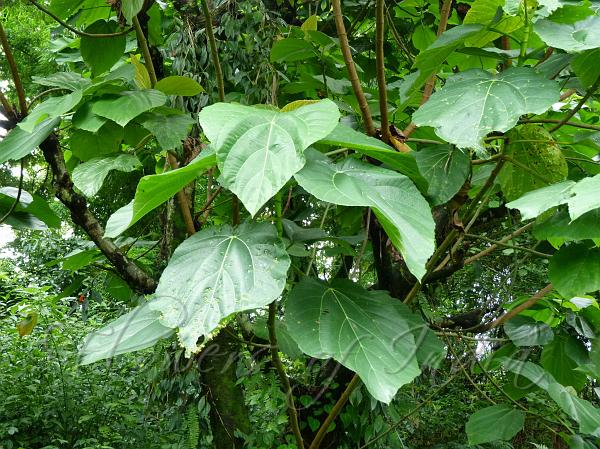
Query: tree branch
x,y
380,62
13,70
82,216
213,49
579,105
352,74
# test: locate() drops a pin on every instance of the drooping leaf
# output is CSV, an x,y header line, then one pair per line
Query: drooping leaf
x,y
26,325
400,208
153,190
85,119
344,136
139,329
497,422
130,8
179,85
363,330
101,53
446,167
539,201
575,270
30,212
89,176
291,49
571,37
533,147
259,150
219,271
142,78
524,331
18,142
128,105
52,108
500,100
582,411
169,126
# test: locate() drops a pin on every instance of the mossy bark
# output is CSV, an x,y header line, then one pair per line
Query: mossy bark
x,y
228,413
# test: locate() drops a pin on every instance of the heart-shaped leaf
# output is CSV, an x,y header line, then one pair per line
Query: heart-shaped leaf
x,y
475,103
401,209
366,331
219,271
259,149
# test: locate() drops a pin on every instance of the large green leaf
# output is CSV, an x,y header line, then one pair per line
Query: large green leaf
x,y
18,142
402,211
87,145
291,49
65,80
153,190
497,422
128,105
31,211
575,270
259,149
561,358
525,331
344,136
586,67
179,85
475,103
571,37
446,168
559,228
581,197
219,271
101,53
533,147
138,329
366,331
49,109
169,126
89,176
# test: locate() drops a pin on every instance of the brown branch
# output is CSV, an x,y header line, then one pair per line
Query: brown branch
x,y
380,62
285,382
213,49
13,70
534,299
495,246
335,411
352,74
430,84
182,199
7,107
143,44
81,215
75,30
579,105
551,120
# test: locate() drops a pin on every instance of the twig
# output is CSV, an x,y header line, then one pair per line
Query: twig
x,y
380,63
335,411
6,105
46,92
352,74
182,199
430,83
515,311
213,50
579,105
506,245
562,122
492,248
13,70
75,30
143,44
283,378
